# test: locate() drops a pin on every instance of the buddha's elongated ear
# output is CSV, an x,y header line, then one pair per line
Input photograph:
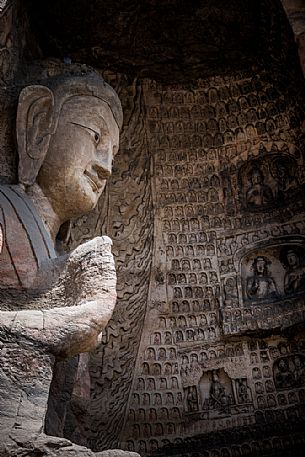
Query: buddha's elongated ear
x,y
34,125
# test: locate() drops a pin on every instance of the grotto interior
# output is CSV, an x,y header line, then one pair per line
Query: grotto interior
x,y
204,355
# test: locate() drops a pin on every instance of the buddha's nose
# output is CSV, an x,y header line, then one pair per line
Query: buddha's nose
x,y
103,166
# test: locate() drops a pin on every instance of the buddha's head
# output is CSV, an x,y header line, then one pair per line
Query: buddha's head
x,y
67,135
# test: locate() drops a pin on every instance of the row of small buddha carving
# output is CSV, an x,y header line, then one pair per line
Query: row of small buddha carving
x,y
200,196
272,146
203,182
240,315
185,170
187,225
211,221
185,264
152,415
212,354
189,250
257,373
256,220
210,184
166,160
192,278
235,328
272,401
201,356
274,319
249,321
187,373
229,246
222,124
293,380
187,292
185,320
187,211
158,369
154,383
204,263
158,429
190,239
233,316
157,399
210,208
212,126
204,170
189,334
240,128
212,104
211,200
267,386
252,324
230,154
161,354
226,266
280,349
194,306
202,156
166,338
249,132
245,221
196,177
289,208
263,356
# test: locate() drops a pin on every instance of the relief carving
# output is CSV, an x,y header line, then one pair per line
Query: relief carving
x,y
268,180
272,273
219,266
289,372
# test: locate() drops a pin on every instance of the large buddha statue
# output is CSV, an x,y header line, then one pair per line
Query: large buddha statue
x,y
53,306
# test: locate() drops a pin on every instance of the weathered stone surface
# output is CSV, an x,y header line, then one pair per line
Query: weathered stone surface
x,y
45,446
53,307
204,354
203,320
31,340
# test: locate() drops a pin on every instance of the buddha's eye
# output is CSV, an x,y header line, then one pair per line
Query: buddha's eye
x,y
93,133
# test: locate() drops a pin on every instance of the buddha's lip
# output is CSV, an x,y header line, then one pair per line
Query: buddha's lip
x,y
94,180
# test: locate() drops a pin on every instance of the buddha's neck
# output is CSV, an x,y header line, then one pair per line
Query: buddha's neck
x,y
45,210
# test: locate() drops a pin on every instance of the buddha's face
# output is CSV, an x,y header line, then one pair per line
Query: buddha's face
x,y
292,259
260,265
79,158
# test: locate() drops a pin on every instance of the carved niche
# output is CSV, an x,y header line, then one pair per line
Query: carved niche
x,y
268,181
273,273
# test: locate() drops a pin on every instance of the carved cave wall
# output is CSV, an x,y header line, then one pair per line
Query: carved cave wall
x,y
215,359
205,353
